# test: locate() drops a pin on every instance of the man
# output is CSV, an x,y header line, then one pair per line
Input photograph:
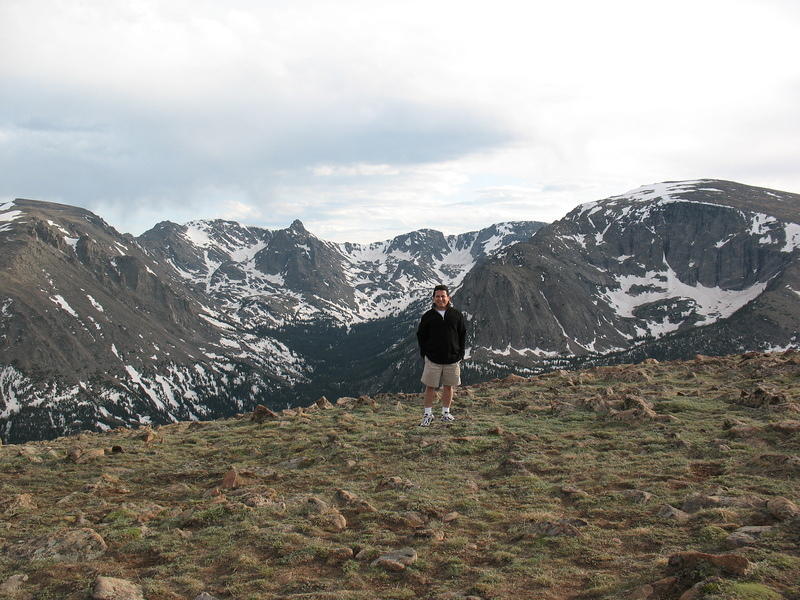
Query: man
x,y
441,336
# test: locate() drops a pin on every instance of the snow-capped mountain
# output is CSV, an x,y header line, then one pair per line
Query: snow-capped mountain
x,y
206,319
196,321
713,260
289,276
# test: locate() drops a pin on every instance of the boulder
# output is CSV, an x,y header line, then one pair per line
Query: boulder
x,y
66,545
673,514
782,509
731,564
323,403
262,414
13,584
396,561
111,588
19,504
638,496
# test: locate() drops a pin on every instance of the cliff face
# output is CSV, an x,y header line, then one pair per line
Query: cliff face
x,y
655,263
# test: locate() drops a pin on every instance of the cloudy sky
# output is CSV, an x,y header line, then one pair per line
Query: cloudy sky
x,y
369,119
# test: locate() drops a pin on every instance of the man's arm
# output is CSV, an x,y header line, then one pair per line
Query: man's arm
x,y
422,335
462,337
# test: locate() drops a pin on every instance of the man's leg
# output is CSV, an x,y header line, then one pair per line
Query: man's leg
x,y
430,396
447,396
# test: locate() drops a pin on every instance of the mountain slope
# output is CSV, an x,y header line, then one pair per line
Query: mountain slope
x,y
654,264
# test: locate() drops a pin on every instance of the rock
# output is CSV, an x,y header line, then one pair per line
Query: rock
x,y
513,378
696,592
638,496
344,497
747,536
13,584
366,401
782,509
111,588
697,502
657,589
148,436
314,505
344,401
18,504
512,467
231,480
323,403
335,521
562,527
739,540
341,554
299,462
786,426
67,545
744,431
756,531
670,512
411,519
396,561
353,502
762,396
732,564
573,493
262,414
451,516
81,456
30,453
395,483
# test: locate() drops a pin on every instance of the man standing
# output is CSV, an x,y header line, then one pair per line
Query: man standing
x,y
441,336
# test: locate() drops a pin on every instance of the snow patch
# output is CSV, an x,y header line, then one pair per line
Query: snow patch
x,y
59,300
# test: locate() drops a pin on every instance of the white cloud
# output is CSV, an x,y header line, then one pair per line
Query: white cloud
x,y
360,117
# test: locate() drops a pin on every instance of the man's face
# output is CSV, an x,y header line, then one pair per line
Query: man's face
x,y
441,299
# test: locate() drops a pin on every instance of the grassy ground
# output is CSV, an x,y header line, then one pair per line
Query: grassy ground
x,y
527,495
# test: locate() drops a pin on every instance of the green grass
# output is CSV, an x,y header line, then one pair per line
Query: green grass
x,y
502,466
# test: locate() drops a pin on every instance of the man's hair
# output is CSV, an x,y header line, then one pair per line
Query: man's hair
x,y
441,288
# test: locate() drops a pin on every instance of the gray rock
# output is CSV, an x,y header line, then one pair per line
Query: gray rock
x,y
674,514
68,545
13,584
397,560
111,588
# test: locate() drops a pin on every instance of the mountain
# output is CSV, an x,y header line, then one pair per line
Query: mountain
x,y
668,270
196,321
654,481
210,318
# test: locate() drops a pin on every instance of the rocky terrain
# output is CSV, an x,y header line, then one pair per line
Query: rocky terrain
x,y
653,481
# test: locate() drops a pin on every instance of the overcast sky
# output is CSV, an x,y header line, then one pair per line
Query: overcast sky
x,y
369,119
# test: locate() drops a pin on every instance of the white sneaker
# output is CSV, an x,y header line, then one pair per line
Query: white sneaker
x,y
447,418
426,420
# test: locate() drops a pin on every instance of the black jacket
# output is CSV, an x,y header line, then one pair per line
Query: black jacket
x,y
442,340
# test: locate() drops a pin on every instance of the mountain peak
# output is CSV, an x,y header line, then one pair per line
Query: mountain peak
x,y
297,226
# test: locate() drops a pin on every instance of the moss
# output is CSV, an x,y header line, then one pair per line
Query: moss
x,y
731,590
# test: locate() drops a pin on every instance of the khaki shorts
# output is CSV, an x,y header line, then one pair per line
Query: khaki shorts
x,y
435,375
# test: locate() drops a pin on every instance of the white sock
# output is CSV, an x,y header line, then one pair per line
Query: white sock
x,y
429,410
445,410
